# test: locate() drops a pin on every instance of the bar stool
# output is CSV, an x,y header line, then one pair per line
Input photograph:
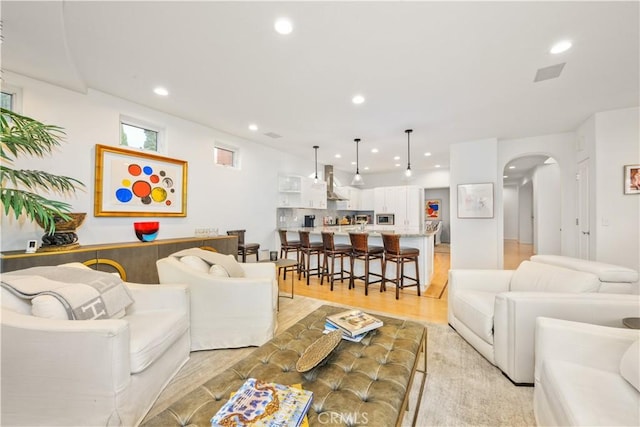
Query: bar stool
x,y
307,250
287,246
244,249
333,251
361,250
393,252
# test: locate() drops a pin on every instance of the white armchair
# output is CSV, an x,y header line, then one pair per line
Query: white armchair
x,y
495,310
586,374
227,312
92,372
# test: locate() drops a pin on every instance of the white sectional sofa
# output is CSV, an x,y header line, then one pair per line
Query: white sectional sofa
x,y
495,310
586,375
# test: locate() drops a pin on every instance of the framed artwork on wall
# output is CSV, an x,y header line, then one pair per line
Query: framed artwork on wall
x,y
632,179
475,200
432,209
133,183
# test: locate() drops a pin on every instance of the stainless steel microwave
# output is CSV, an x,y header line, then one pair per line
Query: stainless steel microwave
x,y
384,219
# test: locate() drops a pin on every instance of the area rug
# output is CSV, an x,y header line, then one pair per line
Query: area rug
x,y
462,388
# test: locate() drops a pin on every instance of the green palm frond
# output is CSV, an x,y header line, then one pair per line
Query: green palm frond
x,y
23,135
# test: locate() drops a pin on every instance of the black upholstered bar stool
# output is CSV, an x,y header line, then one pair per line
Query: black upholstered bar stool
x,y
307,250
393,252
287,246
333,252
244,249
362,251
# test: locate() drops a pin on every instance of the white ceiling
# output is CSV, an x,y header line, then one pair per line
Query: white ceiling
x,y
451,71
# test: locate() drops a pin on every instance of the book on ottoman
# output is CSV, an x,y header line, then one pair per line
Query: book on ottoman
x,y
354,322
257,403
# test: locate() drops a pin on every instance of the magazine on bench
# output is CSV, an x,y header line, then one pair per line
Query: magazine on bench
x,y
354,322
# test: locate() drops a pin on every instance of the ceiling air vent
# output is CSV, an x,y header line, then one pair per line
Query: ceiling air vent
x,y
547,73
273,135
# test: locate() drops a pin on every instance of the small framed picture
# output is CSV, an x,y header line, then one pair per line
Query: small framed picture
x,y
475,200
32,246
632,179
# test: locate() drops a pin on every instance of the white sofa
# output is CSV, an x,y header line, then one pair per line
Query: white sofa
x,y
613,279
495,310
92,372
586,374
226,312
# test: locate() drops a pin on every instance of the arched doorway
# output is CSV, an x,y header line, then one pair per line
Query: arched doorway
x,y
532,208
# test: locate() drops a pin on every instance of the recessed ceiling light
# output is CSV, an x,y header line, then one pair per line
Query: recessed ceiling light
x,y
366,168
353,163
437,166
512,167
397,164
161,91
505,176
374,150
427,154
396,158
560,47
338,156
253,127
358,99
283,26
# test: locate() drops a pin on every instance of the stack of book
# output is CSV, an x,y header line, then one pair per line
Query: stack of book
x,y
257,403
354,324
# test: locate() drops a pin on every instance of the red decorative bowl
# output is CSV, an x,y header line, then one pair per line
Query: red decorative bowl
x,y
146,231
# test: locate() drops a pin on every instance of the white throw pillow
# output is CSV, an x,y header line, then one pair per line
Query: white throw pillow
x,y
48,307
630,365
218,271
196,263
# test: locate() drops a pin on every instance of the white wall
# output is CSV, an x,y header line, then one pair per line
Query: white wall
x,y
217,197
438,178
510,196
547,209
525,213
617,216
474,242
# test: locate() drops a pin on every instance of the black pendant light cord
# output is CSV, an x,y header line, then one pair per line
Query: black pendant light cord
x,y
408,131
357,158
315,147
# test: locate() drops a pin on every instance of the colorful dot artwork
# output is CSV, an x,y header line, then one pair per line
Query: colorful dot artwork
x,y
146,185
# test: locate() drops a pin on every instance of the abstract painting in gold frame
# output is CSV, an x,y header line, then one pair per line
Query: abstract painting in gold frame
x,y
134,183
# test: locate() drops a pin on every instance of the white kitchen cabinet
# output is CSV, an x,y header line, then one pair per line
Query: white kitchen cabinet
x,y
301,192
367,199
353,202
314,194
404,202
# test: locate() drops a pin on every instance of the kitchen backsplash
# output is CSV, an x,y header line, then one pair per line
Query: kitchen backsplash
x,y
294,217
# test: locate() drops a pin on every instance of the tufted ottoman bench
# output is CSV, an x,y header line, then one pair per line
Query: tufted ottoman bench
x,y
364,383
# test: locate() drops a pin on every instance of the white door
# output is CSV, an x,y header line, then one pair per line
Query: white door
x,y
582,222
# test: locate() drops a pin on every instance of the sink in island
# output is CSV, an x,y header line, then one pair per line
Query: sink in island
x,y
409,237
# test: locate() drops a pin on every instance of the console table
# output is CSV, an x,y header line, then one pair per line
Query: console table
x,y
137,258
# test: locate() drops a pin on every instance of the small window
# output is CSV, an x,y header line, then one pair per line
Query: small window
x,y
225,156
7,101
140,135
10,98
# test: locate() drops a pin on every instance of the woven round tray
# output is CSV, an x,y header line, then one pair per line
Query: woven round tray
x,y
318,351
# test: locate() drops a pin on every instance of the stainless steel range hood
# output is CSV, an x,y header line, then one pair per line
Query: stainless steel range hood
x,y
332,192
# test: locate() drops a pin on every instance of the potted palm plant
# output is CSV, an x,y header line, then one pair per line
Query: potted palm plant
x,y
19,188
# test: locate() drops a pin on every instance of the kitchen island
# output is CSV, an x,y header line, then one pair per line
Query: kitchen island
x,y
409,237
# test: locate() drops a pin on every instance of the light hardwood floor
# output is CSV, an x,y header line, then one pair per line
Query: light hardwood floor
x,y
430,306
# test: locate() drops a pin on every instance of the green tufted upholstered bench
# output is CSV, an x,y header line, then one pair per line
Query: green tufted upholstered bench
x,y
364,383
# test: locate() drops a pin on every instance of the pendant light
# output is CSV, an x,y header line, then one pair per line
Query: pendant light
x,y
357,179
315,179
407,173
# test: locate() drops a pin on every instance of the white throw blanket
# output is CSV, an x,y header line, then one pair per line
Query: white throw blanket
x,y
85,294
